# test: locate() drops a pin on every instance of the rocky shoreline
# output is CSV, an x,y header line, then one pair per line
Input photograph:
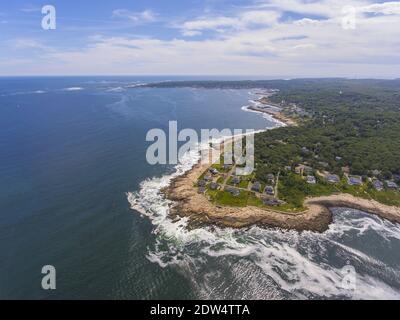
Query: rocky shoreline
x,y
187,202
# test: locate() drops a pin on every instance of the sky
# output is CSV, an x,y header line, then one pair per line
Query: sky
x,y
260,38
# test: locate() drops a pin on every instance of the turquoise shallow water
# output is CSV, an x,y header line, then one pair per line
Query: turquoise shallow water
x,y
76,192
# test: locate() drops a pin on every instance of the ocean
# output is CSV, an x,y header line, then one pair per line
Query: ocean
x,y
77,193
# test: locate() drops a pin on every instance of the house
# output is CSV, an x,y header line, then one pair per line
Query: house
x,y
378,185
338,158
301,168
288,168
346,169
392,185
305,150
201,190
235,180
214,186
214,171
256,186
308,170
376,173
332,178
270,177
311,180
269,190
354,180
233,191
272,202
323,164
201,183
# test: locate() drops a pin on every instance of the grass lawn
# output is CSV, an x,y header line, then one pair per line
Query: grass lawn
x,y
389,197
226,199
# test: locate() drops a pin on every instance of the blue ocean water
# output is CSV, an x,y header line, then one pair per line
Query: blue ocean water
x,y
77,193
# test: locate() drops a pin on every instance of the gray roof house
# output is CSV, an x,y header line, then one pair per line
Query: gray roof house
x,y
378,185
214,171
233,191
269,190
202,190
311,180
201,183
256,186
354,180
235,180
272,202
270,177
332,178
392,185
214,186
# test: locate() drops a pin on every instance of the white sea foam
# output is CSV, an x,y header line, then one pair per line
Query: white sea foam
x,y
73,89
265,116
117,89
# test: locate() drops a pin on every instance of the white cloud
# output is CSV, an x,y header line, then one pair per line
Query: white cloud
x,y
30,8
383,8
306,21
237,22
145,16
311,47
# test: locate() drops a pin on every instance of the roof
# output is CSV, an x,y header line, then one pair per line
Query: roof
x,y
235,180
377,184
269,190
332,178
355,180
272,202
392,184
232,191
201,183
214,185
202,190
311,179
256,186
